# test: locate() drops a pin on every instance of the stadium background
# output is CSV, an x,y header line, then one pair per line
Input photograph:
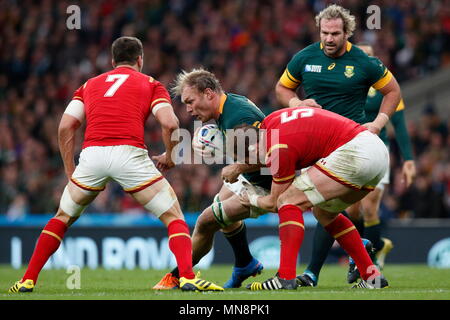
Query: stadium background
x,y
247,44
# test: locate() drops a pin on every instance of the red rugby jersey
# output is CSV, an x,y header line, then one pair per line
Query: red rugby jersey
x,y
117,104
298,137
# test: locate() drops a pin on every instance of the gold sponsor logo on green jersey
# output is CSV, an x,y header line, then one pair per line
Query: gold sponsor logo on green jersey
x,y
331,66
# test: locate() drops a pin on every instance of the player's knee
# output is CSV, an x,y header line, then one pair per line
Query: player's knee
x,y
324,217
370,213
170,215
354,211
67,206
206,222
217,211
232,227
302,202
64,217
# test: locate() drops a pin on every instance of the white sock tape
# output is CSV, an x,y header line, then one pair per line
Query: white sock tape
x,y
161,202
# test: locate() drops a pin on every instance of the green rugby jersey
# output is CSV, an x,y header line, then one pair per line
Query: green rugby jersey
x,y
337,84
372,108
235,110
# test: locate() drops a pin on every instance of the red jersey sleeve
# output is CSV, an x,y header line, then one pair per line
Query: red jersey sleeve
x,y
79,93
160,95
281,163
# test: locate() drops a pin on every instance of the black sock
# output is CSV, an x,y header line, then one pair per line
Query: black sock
x,y
359,224
322,243
175,272
239,244
372,232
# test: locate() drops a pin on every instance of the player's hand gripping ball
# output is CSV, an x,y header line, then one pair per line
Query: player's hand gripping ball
x,y
208,141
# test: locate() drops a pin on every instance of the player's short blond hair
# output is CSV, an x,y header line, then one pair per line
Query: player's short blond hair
x,y
337,12
200,79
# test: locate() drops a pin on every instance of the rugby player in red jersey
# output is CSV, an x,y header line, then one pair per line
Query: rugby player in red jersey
x,y
115,106
342,162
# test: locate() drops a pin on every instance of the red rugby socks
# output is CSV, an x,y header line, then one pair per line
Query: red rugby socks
x,y
181,246
292,231
47,244
345,233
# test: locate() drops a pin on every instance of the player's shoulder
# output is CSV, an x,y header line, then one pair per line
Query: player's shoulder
x,y
239,109
233,98
357,52
241,103
362,57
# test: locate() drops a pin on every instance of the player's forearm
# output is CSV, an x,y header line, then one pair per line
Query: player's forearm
x,y
268,203
246,168
401,135
66,141
285,96
390,102
387,109
391,99
169,141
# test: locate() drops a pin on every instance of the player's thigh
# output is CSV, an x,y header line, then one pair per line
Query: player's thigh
x,y
160,200
330,188
225,193
74,200
312,187
235,211
133,169
226,213
88,179
296,196
81,196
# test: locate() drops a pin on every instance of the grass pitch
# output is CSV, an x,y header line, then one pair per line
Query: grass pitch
x,y
407,282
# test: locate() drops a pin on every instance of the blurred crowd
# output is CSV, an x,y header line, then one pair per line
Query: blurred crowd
x,y
247,44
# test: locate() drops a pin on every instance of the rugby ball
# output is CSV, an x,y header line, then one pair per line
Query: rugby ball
x,y
210,141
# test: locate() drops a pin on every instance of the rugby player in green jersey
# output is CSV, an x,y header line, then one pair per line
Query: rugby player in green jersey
x,y
371,203
205,99
336,75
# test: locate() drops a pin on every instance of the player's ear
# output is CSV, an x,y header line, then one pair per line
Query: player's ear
x,y
209,93
140,62
113,63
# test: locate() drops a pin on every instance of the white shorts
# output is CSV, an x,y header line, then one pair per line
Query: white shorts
x,y
129,166
385,180
360,164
